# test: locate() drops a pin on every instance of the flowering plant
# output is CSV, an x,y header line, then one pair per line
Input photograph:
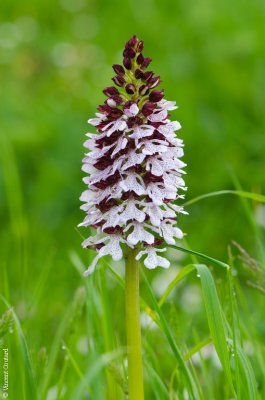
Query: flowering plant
x,y
133,166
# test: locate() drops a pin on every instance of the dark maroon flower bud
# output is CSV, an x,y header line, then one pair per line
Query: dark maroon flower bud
x,y
132,42
148,75
115,113
130,88
128,104
148,108
139,74
146,62
129,52
132,52
119,80
143,90
118,69
125,52
140,59
140,46
117,99
127,63
153,82
156,95
111,91
104,108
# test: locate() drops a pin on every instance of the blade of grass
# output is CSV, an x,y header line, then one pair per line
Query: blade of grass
x,y
93,320
159,388
250,215
196,253
92,371
30,386
56,346
181,275
247,195
248,381
197,348
73,361
233,324
107,330
215,319
245,378
191,387
248,385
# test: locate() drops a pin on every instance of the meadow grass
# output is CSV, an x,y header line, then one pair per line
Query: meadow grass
x,y
215,350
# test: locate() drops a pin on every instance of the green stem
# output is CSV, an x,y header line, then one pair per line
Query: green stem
x,y
133,328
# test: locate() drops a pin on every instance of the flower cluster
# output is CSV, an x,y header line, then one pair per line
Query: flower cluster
x,y
133,166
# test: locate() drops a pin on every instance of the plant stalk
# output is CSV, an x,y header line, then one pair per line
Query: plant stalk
x,y
133,328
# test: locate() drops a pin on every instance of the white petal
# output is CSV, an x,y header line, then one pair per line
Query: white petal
x,y
155,213
167,105
142,131
153,260
98,120
133,159
132,111
132,212
158,117
117,125
121,144
112,248
133,182
139,234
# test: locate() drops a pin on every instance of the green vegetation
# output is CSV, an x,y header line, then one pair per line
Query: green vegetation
x,y
203,322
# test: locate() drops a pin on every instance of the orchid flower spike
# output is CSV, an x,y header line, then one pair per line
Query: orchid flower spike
x,y
133,166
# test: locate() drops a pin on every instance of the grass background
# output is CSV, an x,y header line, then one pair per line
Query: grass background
x,y
55,59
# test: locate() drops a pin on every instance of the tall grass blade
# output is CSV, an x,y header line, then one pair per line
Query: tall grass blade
x,y
241,193
196,253
215,319
181,275
29,386
92,372
191,386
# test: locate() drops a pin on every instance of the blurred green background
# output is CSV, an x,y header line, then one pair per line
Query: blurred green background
x,y
55,59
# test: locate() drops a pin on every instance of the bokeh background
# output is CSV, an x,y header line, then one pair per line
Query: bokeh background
x,y
55,59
